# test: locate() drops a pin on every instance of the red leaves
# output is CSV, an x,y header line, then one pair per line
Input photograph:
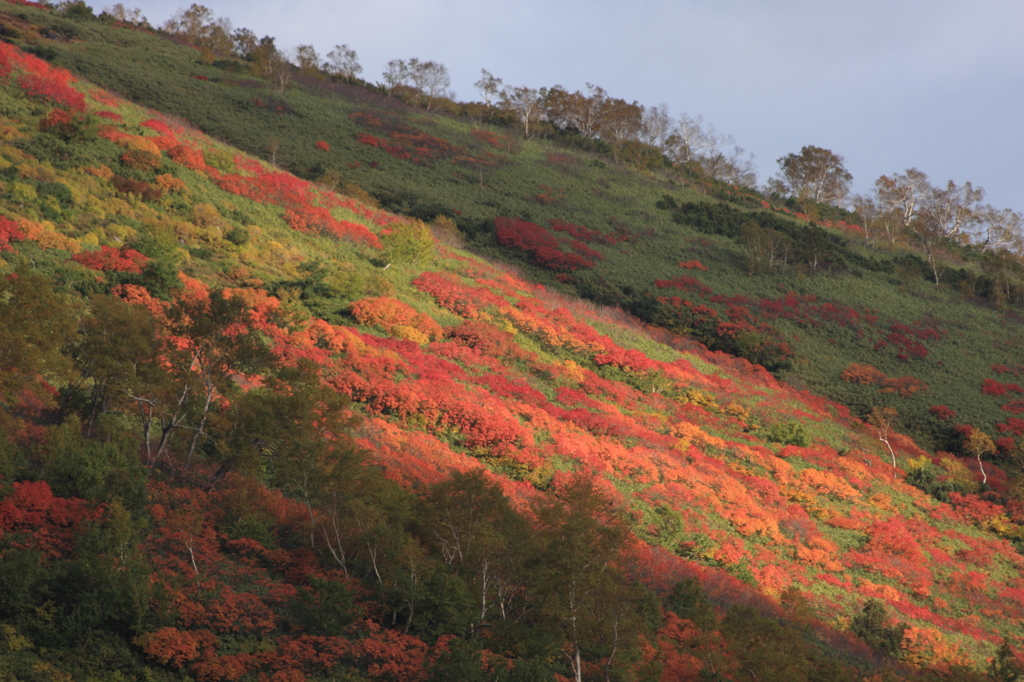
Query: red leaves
x,y
406,143
322,146
684,283
38,520
941,412
39,80
535,240
996,388
9,231
109,259
187,156
174,647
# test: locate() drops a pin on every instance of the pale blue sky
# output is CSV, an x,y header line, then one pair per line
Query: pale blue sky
x,y
888,84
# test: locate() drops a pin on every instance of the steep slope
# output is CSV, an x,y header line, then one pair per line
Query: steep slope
x,y
807,300
213,316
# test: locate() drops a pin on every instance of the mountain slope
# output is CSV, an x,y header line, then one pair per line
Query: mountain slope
x,y
614,234
226,313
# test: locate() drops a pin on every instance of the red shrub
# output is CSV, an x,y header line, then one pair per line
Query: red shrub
x,y
187,156
942,413
109,259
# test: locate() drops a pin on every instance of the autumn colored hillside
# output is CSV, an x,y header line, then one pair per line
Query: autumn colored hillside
x,y
254,428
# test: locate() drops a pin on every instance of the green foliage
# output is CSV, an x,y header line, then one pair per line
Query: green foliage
x,y
786,433
688,600
872,625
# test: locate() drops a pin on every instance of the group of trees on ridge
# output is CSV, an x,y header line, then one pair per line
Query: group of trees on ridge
x,y
901,207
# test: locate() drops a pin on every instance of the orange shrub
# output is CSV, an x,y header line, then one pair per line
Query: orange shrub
x,y
396,318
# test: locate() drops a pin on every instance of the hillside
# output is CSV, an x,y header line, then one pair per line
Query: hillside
x,y
254,428
804,299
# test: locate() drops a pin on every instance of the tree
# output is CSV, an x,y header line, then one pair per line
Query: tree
x,y
307,59
37,325
884,419
124,15
1000,229
489,87
595,115
526,103
730,167
582,534
655,126
690,140
472,524
815,174
901,196
873,220
1005,666
872,625
422,80
199,27
977,444
954,211
343,62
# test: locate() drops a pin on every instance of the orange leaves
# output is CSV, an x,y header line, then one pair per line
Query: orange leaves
x,y
171,646
826,483
862,374
187,156
397,319
869,375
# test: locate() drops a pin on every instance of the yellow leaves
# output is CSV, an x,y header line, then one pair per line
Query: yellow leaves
x,y
169,183
21,193
689,434
37,172
827,483
9,133
699,397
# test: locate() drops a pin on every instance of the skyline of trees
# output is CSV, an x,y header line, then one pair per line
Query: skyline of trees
x,y
815,174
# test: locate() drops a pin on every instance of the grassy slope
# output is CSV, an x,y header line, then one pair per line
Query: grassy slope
x,y
583,189
682,439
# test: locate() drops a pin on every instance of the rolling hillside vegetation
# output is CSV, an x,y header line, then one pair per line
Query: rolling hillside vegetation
x,y
425,400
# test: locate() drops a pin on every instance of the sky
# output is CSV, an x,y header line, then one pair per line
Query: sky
x,y
888,85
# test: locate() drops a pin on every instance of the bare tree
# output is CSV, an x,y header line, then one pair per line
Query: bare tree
x,y
903,194
655,126
690,140
422,80
1000,229
954,210
489,87
872,218
128,16
526,103
731,167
